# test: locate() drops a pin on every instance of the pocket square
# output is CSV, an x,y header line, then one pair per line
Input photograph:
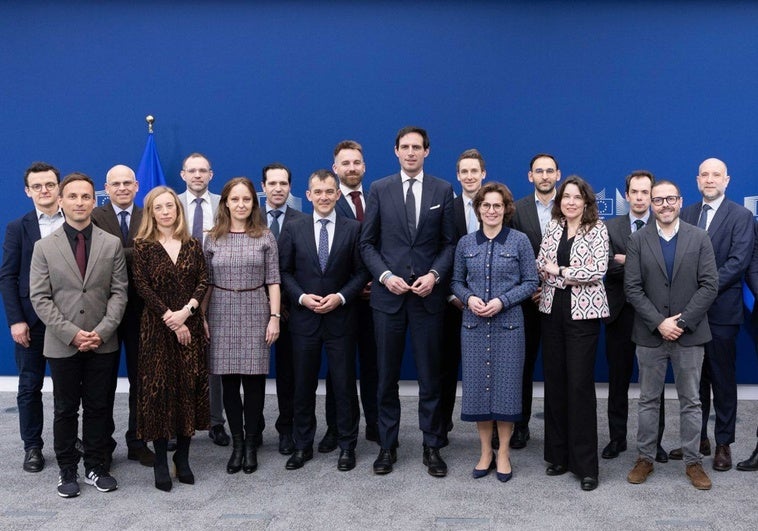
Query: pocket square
x,y
435,206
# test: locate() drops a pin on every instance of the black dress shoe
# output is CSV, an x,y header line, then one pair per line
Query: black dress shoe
x,y
298,459
556,470
218,435
750,464
383,463
346,460
372,433
613,449
660,455
34,461
520,437
286,444
143,454
589,483
434,463
329,442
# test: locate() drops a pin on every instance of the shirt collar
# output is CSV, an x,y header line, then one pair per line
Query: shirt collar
x,y
539,203
500,238
645,218
206,197
346,191
58,214
404,176
331,217
716,203
660,232
71,232
117,209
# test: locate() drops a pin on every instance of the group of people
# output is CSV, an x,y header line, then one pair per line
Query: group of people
x,y
199,287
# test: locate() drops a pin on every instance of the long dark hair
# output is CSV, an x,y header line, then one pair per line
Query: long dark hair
x,y
590,214
254,224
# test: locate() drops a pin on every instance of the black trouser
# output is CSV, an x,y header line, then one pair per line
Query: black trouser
x,y
532,336
450,363
86,378
285,380
568,352
254,387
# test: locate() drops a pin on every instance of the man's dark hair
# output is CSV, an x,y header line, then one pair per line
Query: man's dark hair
x,y
275,166
639,173
38,167
76,176
541,155
412,129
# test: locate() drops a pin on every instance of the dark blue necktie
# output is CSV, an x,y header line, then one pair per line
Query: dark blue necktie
x,y
197,222
323,245
638,224
275,223
703,221
124,225
410,208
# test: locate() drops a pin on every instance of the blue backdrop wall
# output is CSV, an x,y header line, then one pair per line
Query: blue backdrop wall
x,y
607,87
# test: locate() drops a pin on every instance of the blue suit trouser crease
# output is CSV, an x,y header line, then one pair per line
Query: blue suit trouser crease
x,y
30,363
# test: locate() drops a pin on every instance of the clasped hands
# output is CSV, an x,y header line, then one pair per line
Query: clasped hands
x,y
85,341
175,321
481,309
319,304
422,286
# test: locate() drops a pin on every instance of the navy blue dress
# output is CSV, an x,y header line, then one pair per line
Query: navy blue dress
x,y
492,349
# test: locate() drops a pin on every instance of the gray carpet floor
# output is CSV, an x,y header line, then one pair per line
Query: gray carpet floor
x,y
318,496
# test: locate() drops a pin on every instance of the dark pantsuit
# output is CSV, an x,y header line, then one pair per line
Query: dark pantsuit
x,y
426,332
31,374
719,365
83,378
568,350
251,413
367,368
340,355
532,335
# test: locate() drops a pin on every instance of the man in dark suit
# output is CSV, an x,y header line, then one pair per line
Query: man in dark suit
x,y
322,274
200,206
532,215
28,332
78,287
350,169
619,347
470,171
122,218
751,463
670,279
407,243
730,227
276,181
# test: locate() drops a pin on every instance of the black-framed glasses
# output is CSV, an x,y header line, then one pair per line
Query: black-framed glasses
x,y
670,199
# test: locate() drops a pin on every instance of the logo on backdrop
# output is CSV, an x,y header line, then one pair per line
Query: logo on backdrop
x,y
751,203
605,204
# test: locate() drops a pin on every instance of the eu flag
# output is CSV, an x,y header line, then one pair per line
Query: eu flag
x,y
149,173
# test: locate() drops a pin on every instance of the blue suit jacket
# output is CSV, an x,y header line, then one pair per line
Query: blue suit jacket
x,y
301,273
386,243
732,236
20,236
343,206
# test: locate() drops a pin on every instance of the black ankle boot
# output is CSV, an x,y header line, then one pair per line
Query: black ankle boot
x,y
235,461
181,460
250,463
160,468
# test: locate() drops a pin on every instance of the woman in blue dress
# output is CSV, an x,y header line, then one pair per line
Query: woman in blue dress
x,y
494,271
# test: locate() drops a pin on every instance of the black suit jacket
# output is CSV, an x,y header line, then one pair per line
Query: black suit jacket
x,y
459,213
619,230
386,243
526,220
732,235
343,205
20,236
301,273
105,217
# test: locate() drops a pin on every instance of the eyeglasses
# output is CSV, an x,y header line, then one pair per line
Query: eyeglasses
x,y
48,186
540,171
670,199
201,171
497,207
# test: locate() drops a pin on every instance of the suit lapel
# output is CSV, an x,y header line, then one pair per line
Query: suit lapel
x,y
683,241
338,240
718,218
64,247
533,218
31,226
95,249
310,241
134,223
397,200
654,244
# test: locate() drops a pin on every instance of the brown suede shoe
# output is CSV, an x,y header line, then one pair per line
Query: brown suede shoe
x,y
722,460
698,477
642,469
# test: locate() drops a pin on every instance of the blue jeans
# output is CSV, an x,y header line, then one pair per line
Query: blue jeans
x,y
687,363
31,373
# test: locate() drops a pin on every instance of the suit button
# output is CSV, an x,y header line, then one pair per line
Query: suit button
x,y
84,290
81,311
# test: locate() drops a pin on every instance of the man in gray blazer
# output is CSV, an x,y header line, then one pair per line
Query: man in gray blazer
x,y
78,289
200,207
671,280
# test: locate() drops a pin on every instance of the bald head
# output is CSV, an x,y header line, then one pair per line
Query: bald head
x,y
121,185
712,179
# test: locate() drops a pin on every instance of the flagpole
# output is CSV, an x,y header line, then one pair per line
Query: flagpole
x,y
150,119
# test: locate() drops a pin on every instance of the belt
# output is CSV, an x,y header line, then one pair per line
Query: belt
x,y
236,290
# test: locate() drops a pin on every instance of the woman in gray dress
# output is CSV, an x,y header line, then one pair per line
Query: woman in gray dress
x,y
494,271
243,304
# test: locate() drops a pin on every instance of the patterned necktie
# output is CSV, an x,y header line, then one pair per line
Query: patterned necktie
x,y
124,225
356,197
197,222
81,254
703,221
275,223
410,208
323,245
638,224
472,223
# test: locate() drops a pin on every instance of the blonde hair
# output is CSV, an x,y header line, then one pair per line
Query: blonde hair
x,y
148,229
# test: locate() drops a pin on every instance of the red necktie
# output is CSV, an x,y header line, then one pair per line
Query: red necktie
x,y
356,197
81,254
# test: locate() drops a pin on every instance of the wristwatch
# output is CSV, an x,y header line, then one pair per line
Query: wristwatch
x,y
681,323
191,309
